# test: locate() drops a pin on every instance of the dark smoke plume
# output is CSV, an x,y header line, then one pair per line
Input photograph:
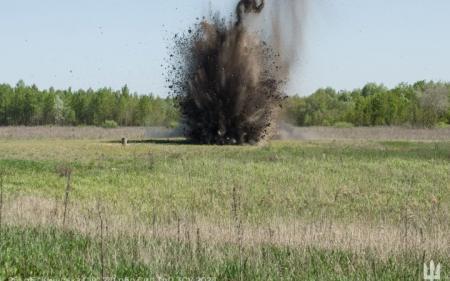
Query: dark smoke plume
x,y
228,81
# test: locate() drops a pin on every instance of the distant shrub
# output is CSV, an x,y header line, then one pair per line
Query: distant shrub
x,y
173,125
343,125
442,125
110,124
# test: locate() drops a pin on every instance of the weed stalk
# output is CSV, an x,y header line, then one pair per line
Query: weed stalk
x,y
67,173
235,208
102,253
2,176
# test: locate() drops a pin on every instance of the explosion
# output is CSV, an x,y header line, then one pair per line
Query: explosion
x,y
228,82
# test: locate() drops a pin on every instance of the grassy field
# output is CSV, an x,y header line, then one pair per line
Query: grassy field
x,y
289,210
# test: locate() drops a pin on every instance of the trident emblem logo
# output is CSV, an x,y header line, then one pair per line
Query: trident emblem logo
x,y
433,272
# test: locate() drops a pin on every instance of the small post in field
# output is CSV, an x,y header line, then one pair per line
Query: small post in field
x,y
124,141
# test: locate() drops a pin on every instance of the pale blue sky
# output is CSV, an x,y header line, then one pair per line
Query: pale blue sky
x,y
96,43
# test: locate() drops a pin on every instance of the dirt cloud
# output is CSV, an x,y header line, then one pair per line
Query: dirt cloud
x,y
229,77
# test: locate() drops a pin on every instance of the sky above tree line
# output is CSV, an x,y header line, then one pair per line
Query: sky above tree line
x,y
347,43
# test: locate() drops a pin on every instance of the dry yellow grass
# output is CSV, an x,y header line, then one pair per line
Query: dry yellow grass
x,y
383,239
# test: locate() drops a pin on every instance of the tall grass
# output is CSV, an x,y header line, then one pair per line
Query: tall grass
x,y
133,247
54,253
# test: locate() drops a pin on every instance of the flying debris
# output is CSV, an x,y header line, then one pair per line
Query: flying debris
x,y
228,82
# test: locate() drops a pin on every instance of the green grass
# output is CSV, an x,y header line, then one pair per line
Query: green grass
x,y
367,180
58,254
405,185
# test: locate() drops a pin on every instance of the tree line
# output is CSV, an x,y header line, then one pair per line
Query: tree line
x,y
30,106
422,104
